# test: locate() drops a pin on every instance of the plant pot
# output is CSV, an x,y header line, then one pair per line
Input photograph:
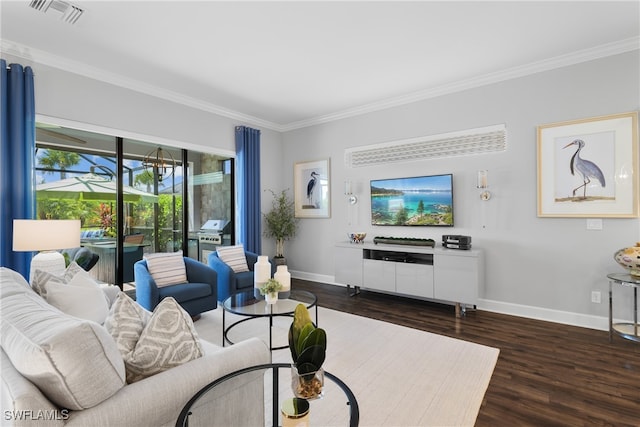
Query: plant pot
x,y
308,386
271,298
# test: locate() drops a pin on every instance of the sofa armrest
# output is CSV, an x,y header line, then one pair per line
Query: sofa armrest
x,y
22,401
158,400
198,272
147,294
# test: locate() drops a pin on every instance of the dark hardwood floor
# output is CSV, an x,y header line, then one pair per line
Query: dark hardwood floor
x,y
547,374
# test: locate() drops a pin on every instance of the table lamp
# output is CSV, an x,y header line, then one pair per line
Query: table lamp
x,y
46,236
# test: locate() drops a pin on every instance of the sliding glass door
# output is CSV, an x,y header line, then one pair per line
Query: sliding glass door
x,y
132,197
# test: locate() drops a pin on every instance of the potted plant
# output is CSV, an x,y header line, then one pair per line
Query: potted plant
x,y
270,290
308,346
280,223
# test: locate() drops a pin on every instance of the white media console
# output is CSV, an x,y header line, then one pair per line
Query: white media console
x,y
446,275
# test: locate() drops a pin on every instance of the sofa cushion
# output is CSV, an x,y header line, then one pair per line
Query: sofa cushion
x,y
52,350
80,297
234,257
41,278
75,293
154,343
167,268
125,323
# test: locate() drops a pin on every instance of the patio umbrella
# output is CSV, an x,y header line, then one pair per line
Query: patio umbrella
x,y
90,187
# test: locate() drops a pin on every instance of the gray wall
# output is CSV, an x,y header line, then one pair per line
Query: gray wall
x,y
535,267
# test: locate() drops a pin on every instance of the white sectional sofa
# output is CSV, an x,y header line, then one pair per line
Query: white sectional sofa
x,y
59,370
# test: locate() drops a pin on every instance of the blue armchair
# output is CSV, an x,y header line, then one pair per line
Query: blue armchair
x,y
230,282
200,294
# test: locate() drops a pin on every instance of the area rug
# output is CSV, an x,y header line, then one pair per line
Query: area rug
x,y
400,376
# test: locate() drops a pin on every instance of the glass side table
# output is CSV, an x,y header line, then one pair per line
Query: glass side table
x,y
626,329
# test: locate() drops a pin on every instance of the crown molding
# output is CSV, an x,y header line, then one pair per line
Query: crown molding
x,y
573,58
45,58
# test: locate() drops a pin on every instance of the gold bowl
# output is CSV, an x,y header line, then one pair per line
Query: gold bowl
x,y
356,237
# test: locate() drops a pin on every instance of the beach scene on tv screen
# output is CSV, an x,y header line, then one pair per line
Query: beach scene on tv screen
x,y
426,200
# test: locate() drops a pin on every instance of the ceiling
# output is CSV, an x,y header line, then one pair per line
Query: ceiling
x,y
286,65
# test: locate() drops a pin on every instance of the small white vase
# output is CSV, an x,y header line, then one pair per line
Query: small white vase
x,y
283,276
261,274
271,298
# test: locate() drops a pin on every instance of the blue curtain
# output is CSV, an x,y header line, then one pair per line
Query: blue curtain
x,y
17,159
248,185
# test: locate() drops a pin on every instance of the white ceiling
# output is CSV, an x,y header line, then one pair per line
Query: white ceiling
x,y
284,65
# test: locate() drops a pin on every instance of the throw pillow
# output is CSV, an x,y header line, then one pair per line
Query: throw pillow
x,y
74,362
125,323
167,268
234,257
80,297
168,339
41,277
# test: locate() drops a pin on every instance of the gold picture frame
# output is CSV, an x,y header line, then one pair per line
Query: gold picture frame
x,y
589,167
312,189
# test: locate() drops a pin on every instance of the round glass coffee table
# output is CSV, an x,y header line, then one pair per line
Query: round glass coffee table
x,y
337,406
246,305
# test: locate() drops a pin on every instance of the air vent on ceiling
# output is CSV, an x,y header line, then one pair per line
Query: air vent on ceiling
x,y
472,141
70,13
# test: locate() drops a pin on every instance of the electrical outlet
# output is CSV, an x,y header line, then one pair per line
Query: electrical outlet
x,y
596,297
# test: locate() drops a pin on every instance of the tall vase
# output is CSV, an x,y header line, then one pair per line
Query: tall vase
x,y
283,276
261,274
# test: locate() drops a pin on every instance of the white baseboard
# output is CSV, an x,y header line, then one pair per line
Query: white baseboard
x,y
529,312
546,314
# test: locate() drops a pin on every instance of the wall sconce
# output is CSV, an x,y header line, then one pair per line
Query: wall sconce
x,y
483,184
353,199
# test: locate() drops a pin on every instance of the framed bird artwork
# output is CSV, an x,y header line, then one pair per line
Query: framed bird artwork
x,y
312,190
589,167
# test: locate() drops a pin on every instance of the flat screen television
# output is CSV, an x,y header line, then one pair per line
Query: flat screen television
x,y
415,201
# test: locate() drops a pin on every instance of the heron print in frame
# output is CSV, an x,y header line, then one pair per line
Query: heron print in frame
x,y
589,167
312,189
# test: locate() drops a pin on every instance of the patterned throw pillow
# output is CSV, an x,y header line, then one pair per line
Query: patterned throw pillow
x,y
125,323
41,277
167,268
234,257
152,344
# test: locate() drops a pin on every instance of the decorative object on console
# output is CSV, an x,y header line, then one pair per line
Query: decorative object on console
x,y
308,346
280,222
356,237
270,291
629,259
46,236
483,184
456,241
411,241
261,274
283,276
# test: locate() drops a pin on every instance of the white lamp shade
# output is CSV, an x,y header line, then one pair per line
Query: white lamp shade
x,y
45,235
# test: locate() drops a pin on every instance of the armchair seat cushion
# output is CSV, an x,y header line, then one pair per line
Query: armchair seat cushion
x,y
186,291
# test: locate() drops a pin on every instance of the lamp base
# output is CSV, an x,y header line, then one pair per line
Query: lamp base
x,y
49,261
